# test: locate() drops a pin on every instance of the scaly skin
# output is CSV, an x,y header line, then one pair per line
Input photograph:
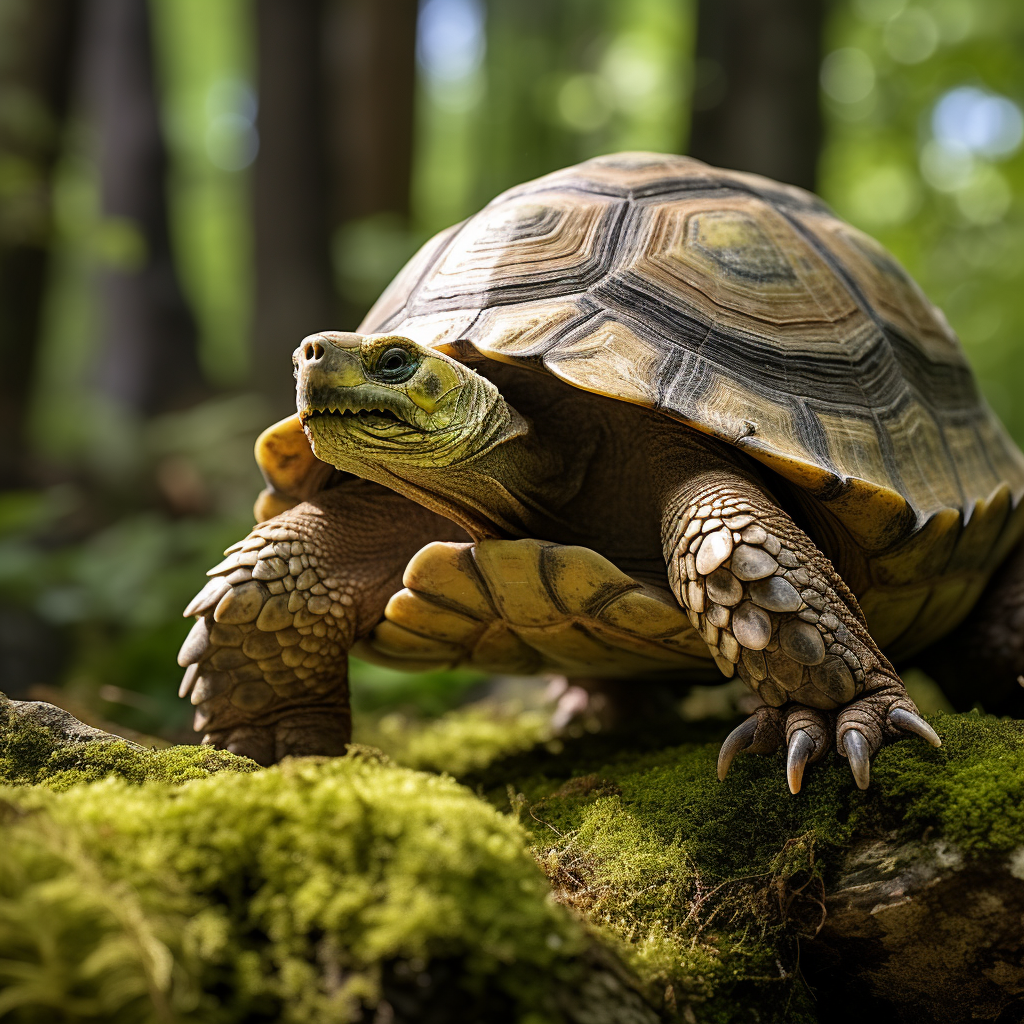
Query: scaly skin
x,y
267,658
774,610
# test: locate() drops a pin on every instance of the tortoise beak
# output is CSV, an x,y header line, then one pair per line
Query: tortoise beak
x,y
324,363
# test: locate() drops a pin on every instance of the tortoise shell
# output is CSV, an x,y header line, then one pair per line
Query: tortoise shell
x,y
745,309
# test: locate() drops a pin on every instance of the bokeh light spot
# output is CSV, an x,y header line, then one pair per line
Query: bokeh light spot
x,y
885,197
631,74
582,104
986,198
946,168
878,10
978,121
450,43
848,75
911,37
230,139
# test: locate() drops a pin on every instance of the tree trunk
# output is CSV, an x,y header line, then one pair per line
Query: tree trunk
x,y
336,86
36,58
370,64
149,361
294,294
370,117
755,99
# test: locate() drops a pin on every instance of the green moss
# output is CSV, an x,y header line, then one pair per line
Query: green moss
x,y
289,894
462,741
311,891
30,755
706,885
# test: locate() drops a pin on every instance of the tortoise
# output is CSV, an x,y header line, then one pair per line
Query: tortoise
x,y
638,417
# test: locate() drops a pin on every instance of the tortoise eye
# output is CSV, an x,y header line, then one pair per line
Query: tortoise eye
x,y
395,365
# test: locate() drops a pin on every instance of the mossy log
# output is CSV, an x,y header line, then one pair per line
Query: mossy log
x,y
595,879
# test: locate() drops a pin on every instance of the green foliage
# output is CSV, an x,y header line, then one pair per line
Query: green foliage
x,y
953,217
421,694
464,740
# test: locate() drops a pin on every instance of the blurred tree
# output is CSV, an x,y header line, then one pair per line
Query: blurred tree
x,y
37,43
755,98
510,91
148,361
370,133
369,58
532,47
335,121
294,293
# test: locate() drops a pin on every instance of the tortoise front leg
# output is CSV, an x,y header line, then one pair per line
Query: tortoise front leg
x,y
267,660
774,610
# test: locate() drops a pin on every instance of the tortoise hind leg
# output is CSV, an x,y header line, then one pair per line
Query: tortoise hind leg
x,y
982,660
266,662
774,610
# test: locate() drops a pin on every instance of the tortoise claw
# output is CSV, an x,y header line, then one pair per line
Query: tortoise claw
x,y
801,749
739,739
859,753
900,718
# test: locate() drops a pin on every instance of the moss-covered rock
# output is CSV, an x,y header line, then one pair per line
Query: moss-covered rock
x,y
45,745
715,891
319,890
184,888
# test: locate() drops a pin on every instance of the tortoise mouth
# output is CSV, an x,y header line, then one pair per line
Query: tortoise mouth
x,y
376,419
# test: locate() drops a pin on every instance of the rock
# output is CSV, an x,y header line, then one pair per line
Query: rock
x,y
918,932
62,725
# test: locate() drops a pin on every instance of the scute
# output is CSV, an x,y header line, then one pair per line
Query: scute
x,y
523,247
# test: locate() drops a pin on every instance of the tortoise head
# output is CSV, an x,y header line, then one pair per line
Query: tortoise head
x,y
387,400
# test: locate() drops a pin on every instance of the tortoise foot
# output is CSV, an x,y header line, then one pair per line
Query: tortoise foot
x,y
878,717
806,733
861,729
301,734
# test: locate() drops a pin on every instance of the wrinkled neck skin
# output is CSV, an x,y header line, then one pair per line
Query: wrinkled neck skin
x,y
486,468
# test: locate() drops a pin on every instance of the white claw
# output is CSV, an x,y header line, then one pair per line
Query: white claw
x,y
859,754
188,680
801,748
739,739
909,722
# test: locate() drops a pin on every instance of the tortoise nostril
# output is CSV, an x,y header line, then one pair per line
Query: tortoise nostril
x,y
318,350
307,351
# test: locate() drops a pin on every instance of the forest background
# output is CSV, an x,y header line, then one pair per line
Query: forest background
x,y
188,188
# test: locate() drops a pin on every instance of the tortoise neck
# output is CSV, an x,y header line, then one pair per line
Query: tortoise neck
x,y
513,489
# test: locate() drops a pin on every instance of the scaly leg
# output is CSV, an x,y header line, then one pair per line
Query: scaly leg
x,y
528,606
266,662
772,608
